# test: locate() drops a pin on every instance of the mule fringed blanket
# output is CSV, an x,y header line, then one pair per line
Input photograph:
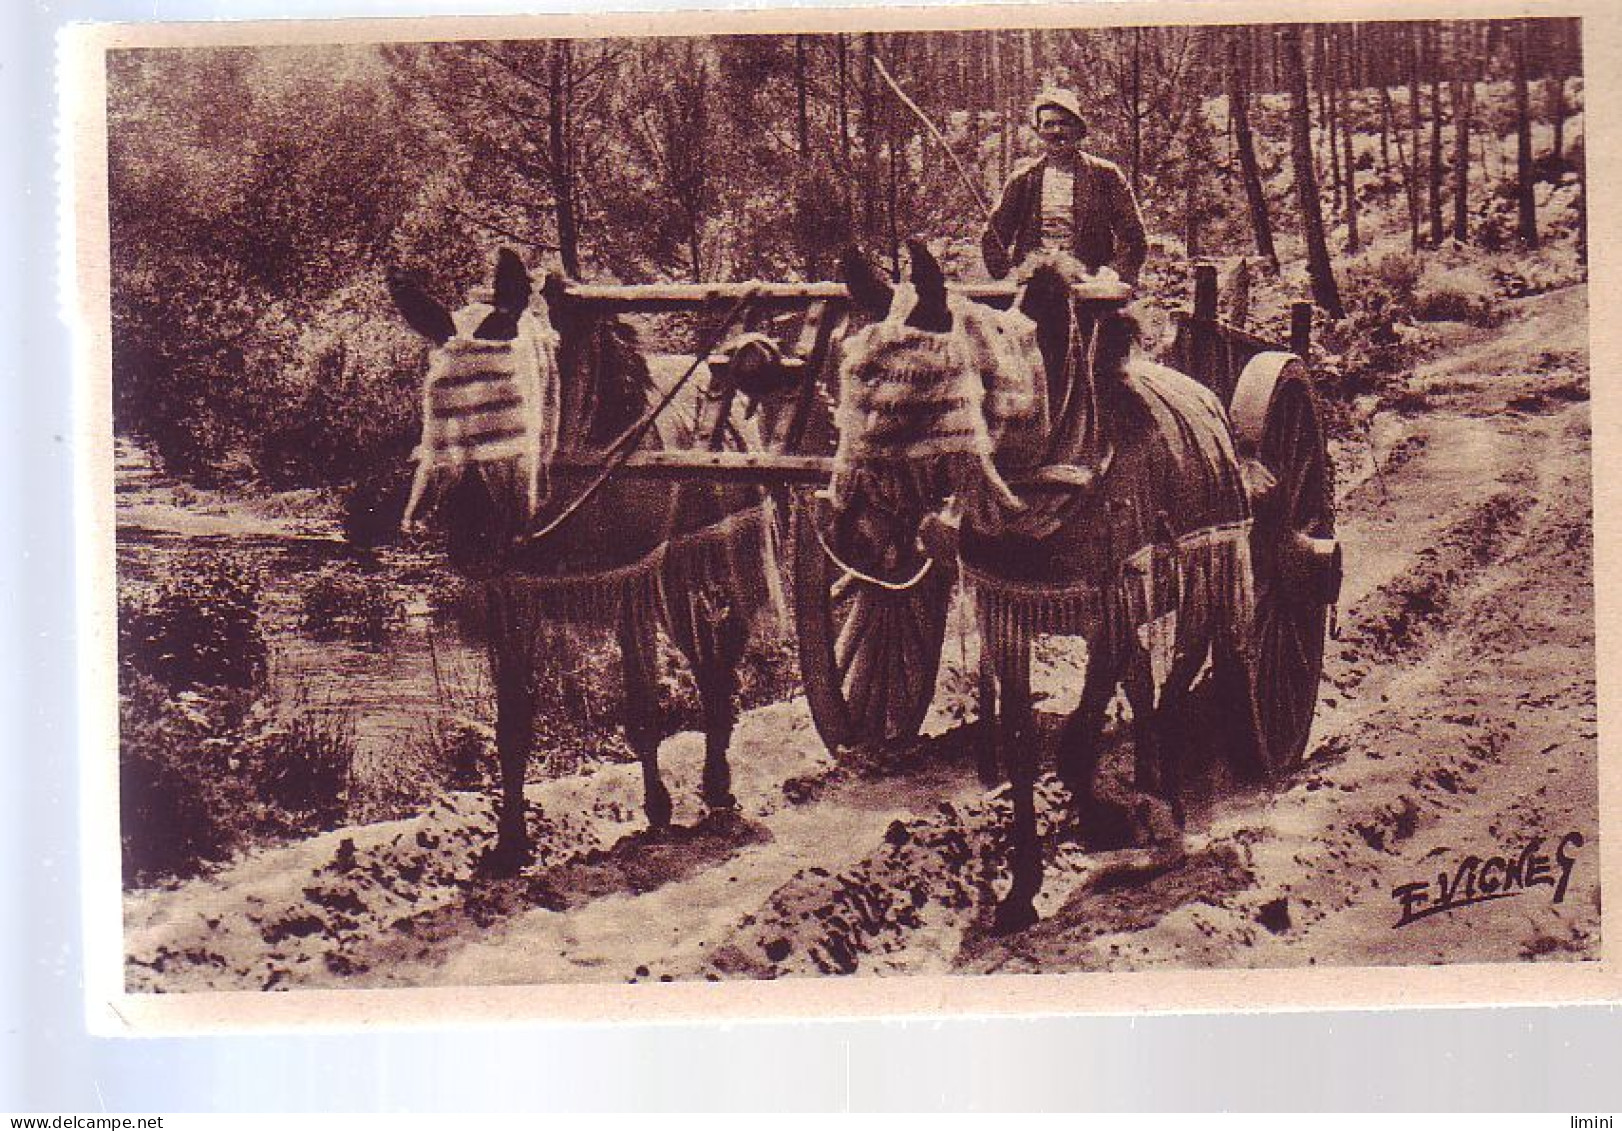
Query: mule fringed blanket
x,y
1187,579
1168,530
734,561
493,406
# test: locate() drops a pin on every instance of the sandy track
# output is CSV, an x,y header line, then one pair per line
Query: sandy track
x,y
1457,721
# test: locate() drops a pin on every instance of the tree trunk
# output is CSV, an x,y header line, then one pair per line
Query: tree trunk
x,y
1239,112
1137,111
1524,188
802,120
1385,130
1001,88
1413,124
1434,184
843,49
870,191
1557,114
1336,77
1324,290
892,193
560,82
1461,135
1329,100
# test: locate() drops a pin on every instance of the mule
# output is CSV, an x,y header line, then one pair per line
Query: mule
x,y
512,387
1148,561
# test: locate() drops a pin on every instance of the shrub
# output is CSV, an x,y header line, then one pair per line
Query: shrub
x,y
770,669
205,772
345,401
302,764
1458,294
201,630
1393,278
438,755
1536,274
357,608
182,798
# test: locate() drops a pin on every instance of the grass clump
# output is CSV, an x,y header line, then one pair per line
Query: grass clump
x,y
350,607
1464,293
207,764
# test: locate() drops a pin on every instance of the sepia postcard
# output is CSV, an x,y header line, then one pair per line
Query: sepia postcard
x,y
795,513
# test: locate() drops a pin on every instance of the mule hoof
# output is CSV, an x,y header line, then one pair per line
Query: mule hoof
x,y
504,861
723,801
659,809
1013,916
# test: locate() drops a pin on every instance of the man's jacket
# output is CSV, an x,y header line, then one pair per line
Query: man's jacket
x,y
1108,225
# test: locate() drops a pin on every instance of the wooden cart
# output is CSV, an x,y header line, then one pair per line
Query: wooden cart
x,y
870,654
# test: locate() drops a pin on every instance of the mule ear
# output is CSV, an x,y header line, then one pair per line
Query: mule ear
x,y
512,283
869,291
421,312
1117,334
1044,294
927,279
554,288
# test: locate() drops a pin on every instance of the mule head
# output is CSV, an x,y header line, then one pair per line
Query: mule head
x,y
489,414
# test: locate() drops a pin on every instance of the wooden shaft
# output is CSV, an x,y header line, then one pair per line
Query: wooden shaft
x,y
765,469
657,297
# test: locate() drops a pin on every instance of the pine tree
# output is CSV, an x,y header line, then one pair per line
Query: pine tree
x,y
1325,292
1239,111
1524,187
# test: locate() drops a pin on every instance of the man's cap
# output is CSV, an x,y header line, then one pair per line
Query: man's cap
x,y
1060,99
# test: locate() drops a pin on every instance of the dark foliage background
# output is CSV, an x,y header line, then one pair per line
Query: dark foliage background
x,y
258,196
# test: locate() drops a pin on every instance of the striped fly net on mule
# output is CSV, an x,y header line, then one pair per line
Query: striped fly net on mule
x,y
921,417
492,406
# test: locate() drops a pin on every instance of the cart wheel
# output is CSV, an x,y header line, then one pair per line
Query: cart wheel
x,y
868,655
1296,557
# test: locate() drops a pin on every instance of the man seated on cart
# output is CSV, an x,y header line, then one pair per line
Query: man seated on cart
x,y
1066,201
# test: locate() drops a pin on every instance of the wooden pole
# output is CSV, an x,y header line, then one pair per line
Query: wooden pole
x,y
654,298
1205,291
1301,329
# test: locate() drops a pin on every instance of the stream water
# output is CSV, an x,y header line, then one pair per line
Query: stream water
x,y
393,690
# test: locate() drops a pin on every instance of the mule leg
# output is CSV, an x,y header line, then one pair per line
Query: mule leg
x,y
1139,683
1017,748
1104,825
638,648
986,748
722,640
712,634
512,669
1175,735
1084,729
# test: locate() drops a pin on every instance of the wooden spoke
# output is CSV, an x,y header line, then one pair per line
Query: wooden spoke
x,y
1291,613
868,655
859,620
